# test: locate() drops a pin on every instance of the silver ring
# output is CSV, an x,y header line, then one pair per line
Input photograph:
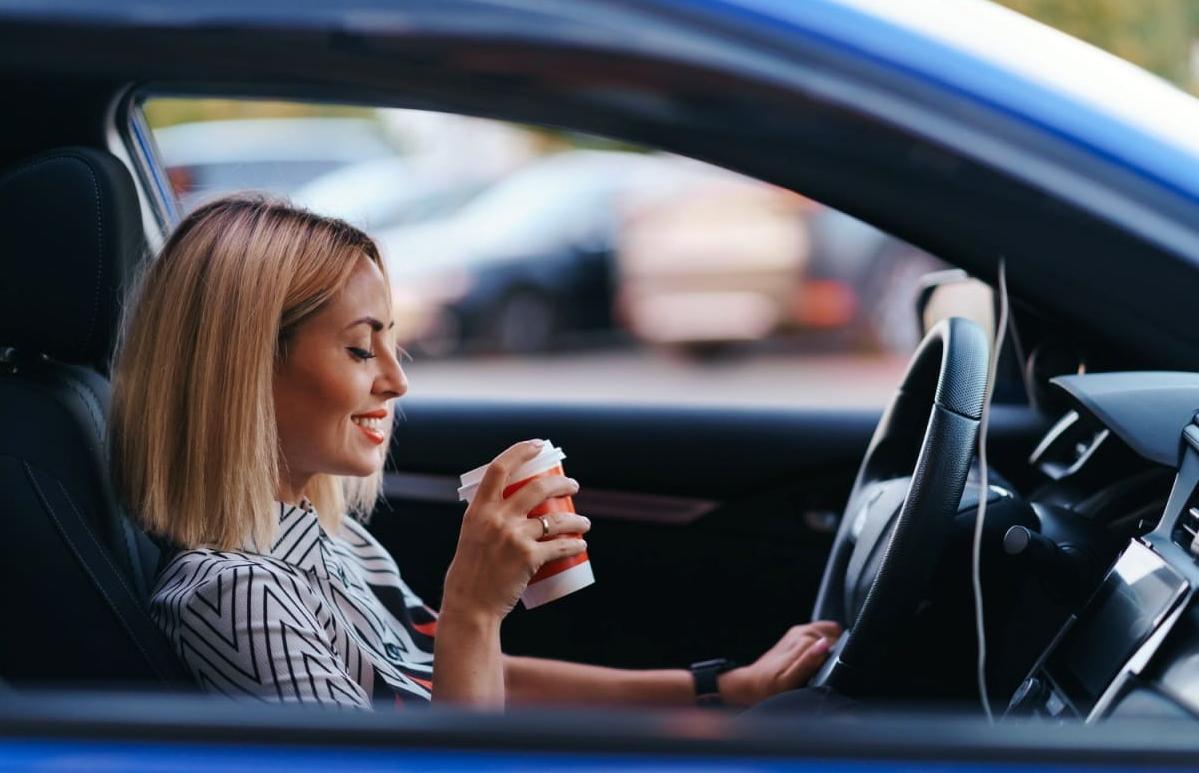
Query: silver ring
x,y
545,526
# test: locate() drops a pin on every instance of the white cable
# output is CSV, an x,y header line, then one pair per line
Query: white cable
x,y
976,557
1025,374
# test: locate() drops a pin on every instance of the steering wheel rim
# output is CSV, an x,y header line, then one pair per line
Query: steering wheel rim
x,y
929,431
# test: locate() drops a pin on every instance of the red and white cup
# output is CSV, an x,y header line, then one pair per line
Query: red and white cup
x,y
557,578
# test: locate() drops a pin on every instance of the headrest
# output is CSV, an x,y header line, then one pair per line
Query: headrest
x,y
70,238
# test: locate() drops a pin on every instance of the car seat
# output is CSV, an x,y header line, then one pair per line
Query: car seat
x,y
76,572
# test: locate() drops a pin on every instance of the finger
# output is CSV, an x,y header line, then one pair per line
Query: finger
x,y
532,495
559,523
495,479
552,550
824,627
796,634
806,664
804,640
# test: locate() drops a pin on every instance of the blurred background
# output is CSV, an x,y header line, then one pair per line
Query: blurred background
x,y
531,264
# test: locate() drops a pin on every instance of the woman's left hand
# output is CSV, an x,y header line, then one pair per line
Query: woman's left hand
x,y
787,665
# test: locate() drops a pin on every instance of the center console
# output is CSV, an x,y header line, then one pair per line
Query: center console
x,y
1137,639
1100,649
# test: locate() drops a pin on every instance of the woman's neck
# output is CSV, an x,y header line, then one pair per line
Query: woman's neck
x,y
292,491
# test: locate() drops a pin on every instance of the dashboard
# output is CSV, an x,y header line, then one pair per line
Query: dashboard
x,y
1130,647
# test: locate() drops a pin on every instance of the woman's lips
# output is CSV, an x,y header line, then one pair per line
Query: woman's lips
x,y
373,435
371,425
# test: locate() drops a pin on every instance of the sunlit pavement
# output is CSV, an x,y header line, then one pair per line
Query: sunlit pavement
x,y
648,376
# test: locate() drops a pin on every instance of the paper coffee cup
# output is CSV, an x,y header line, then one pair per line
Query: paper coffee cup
x,y
556,578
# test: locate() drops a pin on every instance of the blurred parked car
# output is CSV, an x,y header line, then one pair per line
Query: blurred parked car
x,y
447,160
719,262
205,159
524,262
864,280
732,260
388,192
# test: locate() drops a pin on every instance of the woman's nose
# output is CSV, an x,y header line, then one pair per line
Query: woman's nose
x,y
392,381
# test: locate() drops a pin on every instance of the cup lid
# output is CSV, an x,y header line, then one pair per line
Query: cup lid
x,y
545,459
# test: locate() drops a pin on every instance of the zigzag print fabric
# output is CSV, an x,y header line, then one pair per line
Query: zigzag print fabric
x,y
318,619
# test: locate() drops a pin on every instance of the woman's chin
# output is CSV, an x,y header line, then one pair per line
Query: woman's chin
x,y
364,470
356,466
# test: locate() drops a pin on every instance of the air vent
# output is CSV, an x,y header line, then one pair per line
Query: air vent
x,y
1068,445
1186,533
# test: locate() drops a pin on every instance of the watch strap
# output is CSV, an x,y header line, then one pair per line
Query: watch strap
x,y
705,674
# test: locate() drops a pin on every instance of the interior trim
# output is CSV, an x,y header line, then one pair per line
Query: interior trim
x,y
594,503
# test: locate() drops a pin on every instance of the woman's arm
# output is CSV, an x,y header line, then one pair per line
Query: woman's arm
x,y
535,680
248,629
498,552
787,665
468,662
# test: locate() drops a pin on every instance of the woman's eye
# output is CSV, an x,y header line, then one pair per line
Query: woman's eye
x,y
360,354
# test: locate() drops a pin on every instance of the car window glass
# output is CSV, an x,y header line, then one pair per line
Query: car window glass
x,y
535,264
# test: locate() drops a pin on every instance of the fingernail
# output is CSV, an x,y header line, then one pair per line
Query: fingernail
x,y
820,646
536,443
573,482
586,520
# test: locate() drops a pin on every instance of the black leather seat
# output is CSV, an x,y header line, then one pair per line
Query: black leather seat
x,y
75,572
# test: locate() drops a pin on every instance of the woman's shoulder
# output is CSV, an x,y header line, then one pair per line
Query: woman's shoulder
x,y
205,597
189,570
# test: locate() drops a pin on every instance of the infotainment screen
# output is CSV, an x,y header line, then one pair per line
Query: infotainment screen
x,y
1132,601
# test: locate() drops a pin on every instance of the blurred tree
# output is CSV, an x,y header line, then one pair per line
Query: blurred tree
x,y
1157,35
167,111
162,112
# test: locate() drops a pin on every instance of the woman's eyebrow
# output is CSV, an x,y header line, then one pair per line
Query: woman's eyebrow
x,y
375,324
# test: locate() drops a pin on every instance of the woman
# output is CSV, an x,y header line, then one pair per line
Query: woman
x,y
252,404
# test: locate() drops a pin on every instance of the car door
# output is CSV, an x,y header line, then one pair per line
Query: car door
x,y
710,527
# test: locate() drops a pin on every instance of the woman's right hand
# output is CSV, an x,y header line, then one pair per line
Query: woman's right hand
x,y
498,547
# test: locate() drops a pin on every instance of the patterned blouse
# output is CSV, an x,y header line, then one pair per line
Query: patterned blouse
x,y
317,619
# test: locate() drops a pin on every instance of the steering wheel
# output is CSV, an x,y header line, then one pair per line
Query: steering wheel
x,y
902,503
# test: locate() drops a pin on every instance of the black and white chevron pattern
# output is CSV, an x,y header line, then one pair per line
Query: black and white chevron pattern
x,y
317,619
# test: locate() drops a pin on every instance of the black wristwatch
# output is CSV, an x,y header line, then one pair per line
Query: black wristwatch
x,y
707,689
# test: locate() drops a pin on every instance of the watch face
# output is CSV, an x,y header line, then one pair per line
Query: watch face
x,y
707,690
719,665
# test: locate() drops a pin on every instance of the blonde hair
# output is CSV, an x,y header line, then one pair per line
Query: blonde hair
x,y
194,442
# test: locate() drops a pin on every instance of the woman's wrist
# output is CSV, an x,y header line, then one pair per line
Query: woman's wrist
x,y
467,660
467,616
736,687
459,604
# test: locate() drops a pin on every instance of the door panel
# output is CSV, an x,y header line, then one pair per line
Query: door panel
x,y
710,527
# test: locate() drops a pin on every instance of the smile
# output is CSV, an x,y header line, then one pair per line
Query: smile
x,y
371,425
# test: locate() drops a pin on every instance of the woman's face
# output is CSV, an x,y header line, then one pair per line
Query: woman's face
x,y
335,386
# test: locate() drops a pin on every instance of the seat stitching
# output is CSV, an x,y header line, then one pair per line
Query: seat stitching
x,y
135,563
84,390
92,534
30,164
91,405
91,328
91,401
86,568
99,228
